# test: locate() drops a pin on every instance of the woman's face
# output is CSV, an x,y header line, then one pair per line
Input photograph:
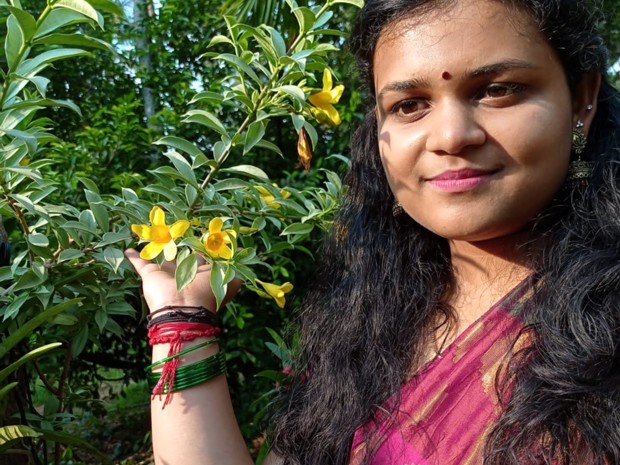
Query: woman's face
x,y
474,119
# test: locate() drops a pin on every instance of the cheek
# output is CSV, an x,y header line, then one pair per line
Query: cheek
x,y
398,151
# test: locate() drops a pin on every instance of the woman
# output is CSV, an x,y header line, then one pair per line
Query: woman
x,y
471,311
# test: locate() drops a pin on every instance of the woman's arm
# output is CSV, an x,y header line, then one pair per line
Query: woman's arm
x,y
198,426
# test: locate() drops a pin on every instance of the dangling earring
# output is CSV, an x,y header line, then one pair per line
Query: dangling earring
x,y
397,209
579,171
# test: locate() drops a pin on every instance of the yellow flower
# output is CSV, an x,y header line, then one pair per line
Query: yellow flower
x,y
277,292
267,197
217,241
161,236
324,111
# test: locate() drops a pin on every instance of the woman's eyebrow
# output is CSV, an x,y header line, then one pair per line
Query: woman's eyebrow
x,y
405,85
484,70
500,67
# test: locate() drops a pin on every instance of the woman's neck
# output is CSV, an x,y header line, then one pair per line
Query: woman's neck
x,y
485,272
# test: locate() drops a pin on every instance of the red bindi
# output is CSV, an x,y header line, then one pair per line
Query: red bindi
x,y
446,75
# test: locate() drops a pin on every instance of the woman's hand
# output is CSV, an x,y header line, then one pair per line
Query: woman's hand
x,y
160,289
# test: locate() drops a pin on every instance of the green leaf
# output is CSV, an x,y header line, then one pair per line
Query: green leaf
x,y
183,167
186,271
11,310
27,281
108,6
69,254
220,39
255,133
294,92
26,329
208,96
10,435
357,3
297,228
305,18
58,18
82,7
5,391
26,22
278,41
79,341
26,358
71,440
13,42
191,194
41,61
180,144
114,257
241,66
206,119
79,226
99,211
248,170
39,240
230,184
220,148
265,144
76,40
101,318
218,285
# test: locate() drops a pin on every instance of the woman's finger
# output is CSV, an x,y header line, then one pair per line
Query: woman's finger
x,y
134,258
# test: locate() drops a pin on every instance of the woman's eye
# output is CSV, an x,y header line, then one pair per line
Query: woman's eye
x,y
499,90
408,107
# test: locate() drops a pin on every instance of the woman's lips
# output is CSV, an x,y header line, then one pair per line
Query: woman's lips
x,y
460,180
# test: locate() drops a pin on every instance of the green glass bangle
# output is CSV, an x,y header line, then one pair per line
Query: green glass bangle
x,y
194,374
183,352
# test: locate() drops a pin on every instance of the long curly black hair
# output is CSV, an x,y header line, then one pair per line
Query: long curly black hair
x,y
378,293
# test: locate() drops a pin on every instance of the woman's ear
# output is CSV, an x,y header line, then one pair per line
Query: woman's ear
x,y
585,99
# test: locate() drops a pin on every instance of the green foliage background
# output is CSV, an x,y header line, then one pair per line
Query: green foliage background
x,y
71,183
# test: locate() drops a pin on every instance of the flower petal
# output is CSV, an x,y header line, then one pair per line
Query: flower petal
x,y
286,287
225,252
179,228
142,230
321,99
151,250
215,225
334,117
170,251
157,216
327,79
280,301
336,93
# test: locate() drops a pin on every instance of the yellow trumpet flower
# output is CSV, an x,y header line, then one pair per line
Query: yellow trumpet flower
x,y
323,101
277,292
160,236
267,197
217,241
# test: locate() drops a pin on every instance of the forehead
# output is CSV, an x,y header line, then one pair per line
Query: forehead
x,y
461,34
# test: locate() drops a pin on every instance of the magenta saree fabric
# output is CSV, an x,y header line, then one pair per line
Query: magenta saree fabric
x,y
448,408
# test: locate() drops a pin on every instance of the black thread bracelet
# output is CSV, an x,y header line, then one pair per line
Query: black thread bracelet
x,y
176,313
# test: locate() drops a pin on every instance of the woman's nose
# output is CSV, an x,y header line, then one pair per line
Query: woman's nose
x,y
453,128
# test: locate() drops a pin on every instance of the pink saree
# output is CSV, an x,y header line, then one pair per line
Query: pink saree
x,y
448,408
